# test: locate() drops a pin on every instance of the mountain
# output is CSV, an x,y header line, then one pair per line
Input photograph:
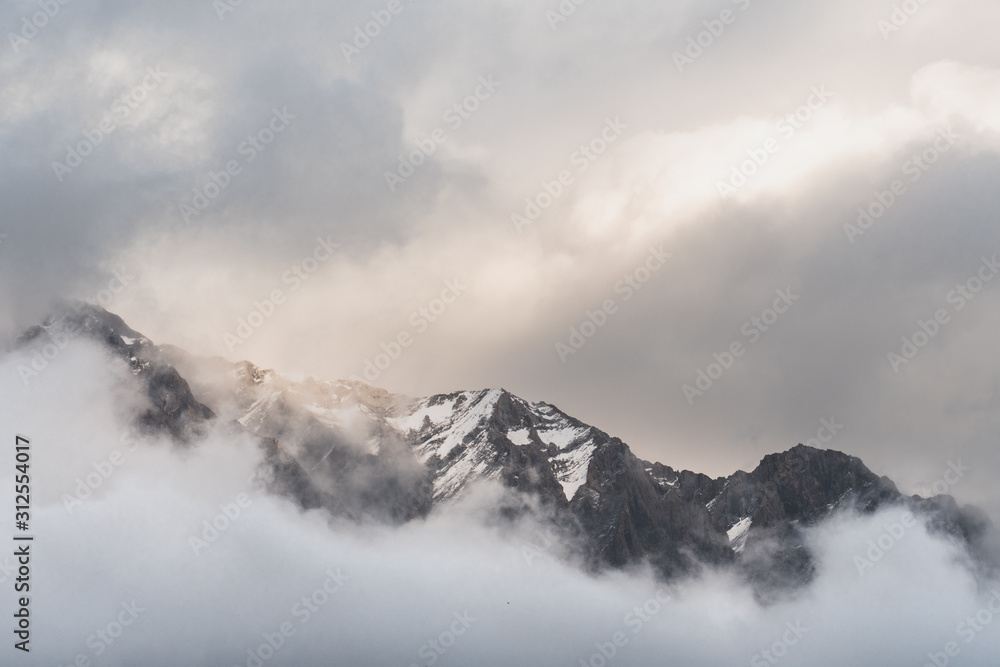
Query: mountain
x,y
365,454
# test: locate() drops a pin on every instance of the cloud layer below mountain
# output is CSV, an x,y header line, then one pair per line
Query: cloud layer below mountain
x,y
220,146
452,589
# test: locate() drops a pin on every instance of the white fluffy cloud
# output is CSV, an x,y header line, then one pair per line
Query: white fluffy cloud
x,y
118,580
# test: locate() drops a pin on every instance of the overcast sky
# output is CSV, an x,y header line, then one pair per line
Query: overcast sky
x,y
274,147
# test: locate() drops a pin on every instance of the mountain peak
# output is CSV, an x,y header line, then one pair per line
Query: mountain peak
x,y
172,407
363,453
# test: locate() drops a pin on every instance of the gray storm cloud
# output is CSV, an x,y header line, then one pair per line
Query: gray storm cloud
x,y
113,227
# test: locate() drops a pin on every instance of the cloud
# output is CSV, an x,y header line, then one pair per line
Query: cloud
x,y
324,176
122,578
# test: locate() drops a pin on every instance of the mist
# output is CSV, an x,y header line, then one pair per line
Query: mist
x,y
594,205
206,567
188,87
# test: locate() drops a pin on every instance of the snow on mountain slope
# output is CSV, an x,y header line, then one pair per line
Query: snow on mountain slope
x,y
465,436
468,413
738,534
451,434
572,466
574,441
362,453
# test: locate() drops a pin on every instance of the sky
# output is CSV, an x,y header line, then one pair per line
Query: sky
x,y
705,228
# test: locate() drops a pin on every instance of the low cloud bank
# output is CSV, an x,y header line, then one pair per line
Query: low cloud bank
x,y
149,554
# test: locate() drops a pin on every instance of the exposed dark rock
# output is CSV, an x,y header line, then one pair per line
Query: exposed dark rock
x,y
393,459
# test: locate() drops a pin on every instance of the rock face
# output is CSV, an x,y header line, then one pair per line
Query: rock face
x,y
365,454
632,516
172,407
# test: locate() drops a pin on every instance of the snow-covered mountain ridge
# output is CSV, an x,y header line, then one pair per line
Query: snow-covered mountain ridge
x,y
365,454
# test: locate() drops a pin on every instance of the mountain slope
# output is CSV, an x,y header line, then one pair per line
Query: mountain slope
x,y
365,454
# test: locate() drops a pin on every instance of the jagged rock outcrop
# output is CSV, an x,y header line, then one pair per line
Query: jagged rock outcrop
x,y
173,408
364,454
